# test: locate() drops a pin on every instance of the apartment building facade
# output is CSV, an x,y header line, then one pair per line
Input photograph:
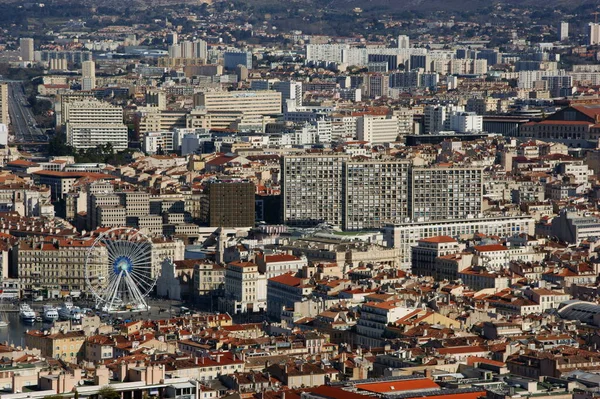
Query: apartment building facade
x,y
90,123
376,192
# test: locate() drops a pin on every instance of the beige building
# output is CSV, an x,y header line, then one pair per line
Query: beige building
x,y
209,279
163,248
295,376
27,47
155,119
69,347
55,265
64,101
245,289
377,129
90,123
248,102
239,109
111,216
277,264
88,75
99,348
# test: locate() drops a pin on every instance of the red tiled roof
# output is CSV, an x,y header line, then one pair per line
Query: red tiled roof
x,y
439,239
21,162
280,258
471,360
590,111
490,248
287,279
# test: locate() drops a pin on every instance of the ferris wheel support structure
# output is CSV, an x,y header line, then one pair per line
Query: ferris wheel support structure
x,y
118,269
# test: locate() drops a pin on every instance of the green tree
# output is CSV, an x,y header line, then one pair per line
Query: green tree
x,y
108,392
58,146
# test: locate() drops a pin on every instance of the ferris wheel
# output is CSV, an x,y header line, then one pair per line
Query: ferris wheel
x,y
118,269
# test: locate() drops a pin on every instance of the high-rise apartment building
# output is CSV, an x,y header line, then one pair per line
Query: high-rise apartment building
x,y
466,122
172,38
436,118
88,75
367,194
200,49
377,85
558,83
420,61
593,34
26,49
291,93
64,101
188,49
311,189
4,104
232,59
405,117
155,119
229,203
174,51
439,193
156,98
377,129
255,103
375,193
563,31
90,123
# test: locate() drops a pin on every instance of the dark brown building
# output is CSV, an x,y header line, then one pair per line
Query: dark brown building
x,y
229,203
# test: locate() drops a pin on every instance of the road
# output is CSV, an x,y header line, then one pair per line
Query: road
x,y
22,118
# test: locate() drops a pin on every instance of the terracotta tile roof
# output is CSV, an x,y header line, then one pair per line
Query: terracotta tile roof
x,y
280,258
439,239
471,360
490,248
287,279
382,305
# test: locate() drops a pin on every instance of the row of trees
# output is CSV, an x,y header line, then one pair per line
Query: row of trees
x,y
100,154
